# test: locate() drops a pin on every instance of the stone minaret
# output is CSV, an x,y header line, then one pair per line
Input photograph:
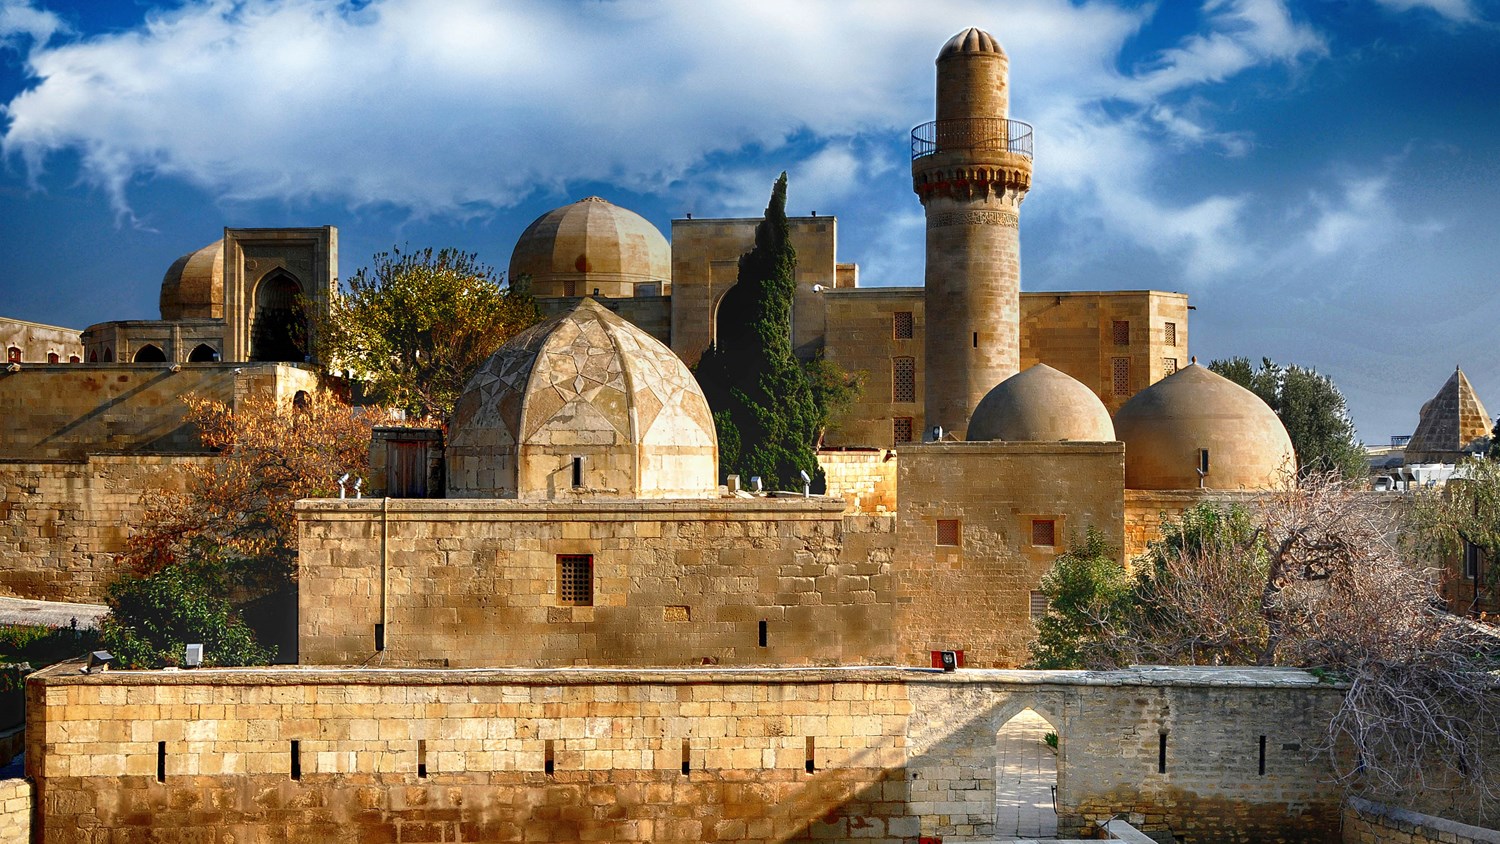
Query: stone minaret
x,y
971,168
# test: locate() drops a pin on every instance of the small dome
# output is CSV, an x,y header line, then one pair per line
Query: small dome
x,y
1041,404
1167,427
593,245
193,287
971,40
583,386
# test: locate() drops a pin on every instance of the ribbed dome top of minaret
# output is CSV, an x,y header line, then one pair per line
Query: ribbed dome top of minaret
x,y
971,40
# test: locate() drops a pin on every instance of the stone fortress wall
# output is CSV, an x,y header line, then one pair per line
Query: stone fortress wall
x,y
36,342
708,754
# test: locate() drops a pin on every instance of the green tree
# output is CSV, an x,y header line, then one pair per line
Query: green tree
x,y
1442,521
1087,591
416,325
1312,409
769,408
1493,452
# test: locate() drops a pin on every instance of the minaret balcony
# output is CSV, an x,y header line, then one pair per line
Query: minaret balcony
x,y
982,135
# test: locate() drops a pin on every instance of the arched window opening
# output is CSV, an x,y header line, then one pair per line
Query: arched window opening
x,y
13,355
149,353
279,331
93,357
1026,777
52,357
300,401
203,353
73,359
109,355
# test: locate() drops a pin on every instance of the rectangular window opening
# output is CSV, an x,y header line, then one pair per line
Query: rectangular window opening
x,y
763,636
161,761
379,637
1171,333
1169,366
1121,331
575,580
1038,605
1120,375
549,762
902,325
687,757
976,339
1044,532
949,532
1161,754
577,471
811,764
1262,755
1202,461
296,759
1471,560
902,429
904,379
422,759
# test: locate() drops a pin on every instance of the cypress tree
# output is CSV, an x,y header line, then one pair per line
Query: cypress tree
x,y
767,417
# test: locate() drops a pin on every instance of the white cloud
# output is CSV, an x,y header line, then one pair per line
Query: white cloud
x,y
19,18
1459,11
1361,218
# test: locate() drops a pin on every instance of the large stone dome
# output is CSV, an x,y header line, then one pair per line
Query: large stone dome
x,y
193,287
1168,426
583,405
593,245
1041,404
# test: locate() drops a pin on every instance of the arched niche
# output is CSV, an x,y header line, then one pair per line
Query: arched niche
x,y
279,330
203,353
149,353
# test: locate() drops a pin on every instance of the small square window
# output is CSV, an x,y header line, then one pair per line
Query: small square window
x,y
1043,532
902,325
948,532
1171,333
52,357
13,355
575,579
1121,376
570,288
1121,329
901,429
1038,605
1169,366
904,379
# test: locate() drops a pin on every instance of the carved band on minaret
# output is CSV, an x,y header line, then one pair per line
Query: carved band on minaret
x,y
974,218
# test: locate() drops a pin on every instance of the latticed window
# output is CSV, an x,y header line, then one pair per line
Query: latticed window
x,y
904,379
901,429
1121,376
948,532
1043,532
1122,332
575,579
1038,605
570,288
1168,365
1171,334
901,325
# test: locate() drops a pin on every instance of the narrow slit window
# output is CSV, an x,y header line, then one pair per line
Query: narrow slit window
x,y
549,761
812,749
902,325
1262,755
949,532
687,757
296,759
379,637
422,759
1202,461
1044,532
1161,754
1471,560
161,761
904,379
763,637
976,339
577,471
575,580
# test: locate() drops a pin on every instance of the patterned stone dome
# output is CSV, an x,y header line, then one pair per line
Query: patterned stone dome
x,y
1167,427
1041,404
593,245
193,287
971,40
583,405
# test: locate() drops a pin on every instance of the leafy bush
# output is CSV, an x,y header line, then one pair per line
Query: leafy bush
x,y
154,616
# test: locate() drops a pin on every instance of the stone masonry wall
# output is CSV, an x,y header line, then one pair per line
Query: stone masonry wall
x,y
1366,822
468,583
693,755
865,479
62,523
15,810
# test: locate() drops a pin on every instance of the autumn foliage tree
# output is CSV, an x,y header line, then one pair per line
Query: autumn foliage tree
x,y
416,325
225,544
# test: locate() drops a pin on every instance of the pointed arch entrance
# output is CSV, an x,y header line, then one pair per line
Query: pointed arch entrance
x,y
1026,765
279,330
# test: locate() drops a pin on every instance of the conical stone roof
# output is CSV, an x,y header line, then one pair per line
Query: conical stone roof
x,y
1449,424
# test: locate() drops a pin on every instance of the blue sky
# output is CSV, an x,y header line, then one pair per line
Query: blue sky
x,y
1323,177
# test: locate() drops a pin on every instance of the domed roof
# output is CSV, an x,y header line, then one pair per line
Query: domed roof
x,y
1167,427
1043,404
594,242
971,40
193,287
590,386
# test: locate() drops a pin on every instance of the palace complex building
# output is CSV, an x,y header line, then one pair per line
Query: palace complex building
x,y
562,624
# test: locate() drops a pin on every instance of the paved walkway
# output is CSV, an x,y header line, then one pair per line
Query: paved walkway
x,y
50,613
1025,771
